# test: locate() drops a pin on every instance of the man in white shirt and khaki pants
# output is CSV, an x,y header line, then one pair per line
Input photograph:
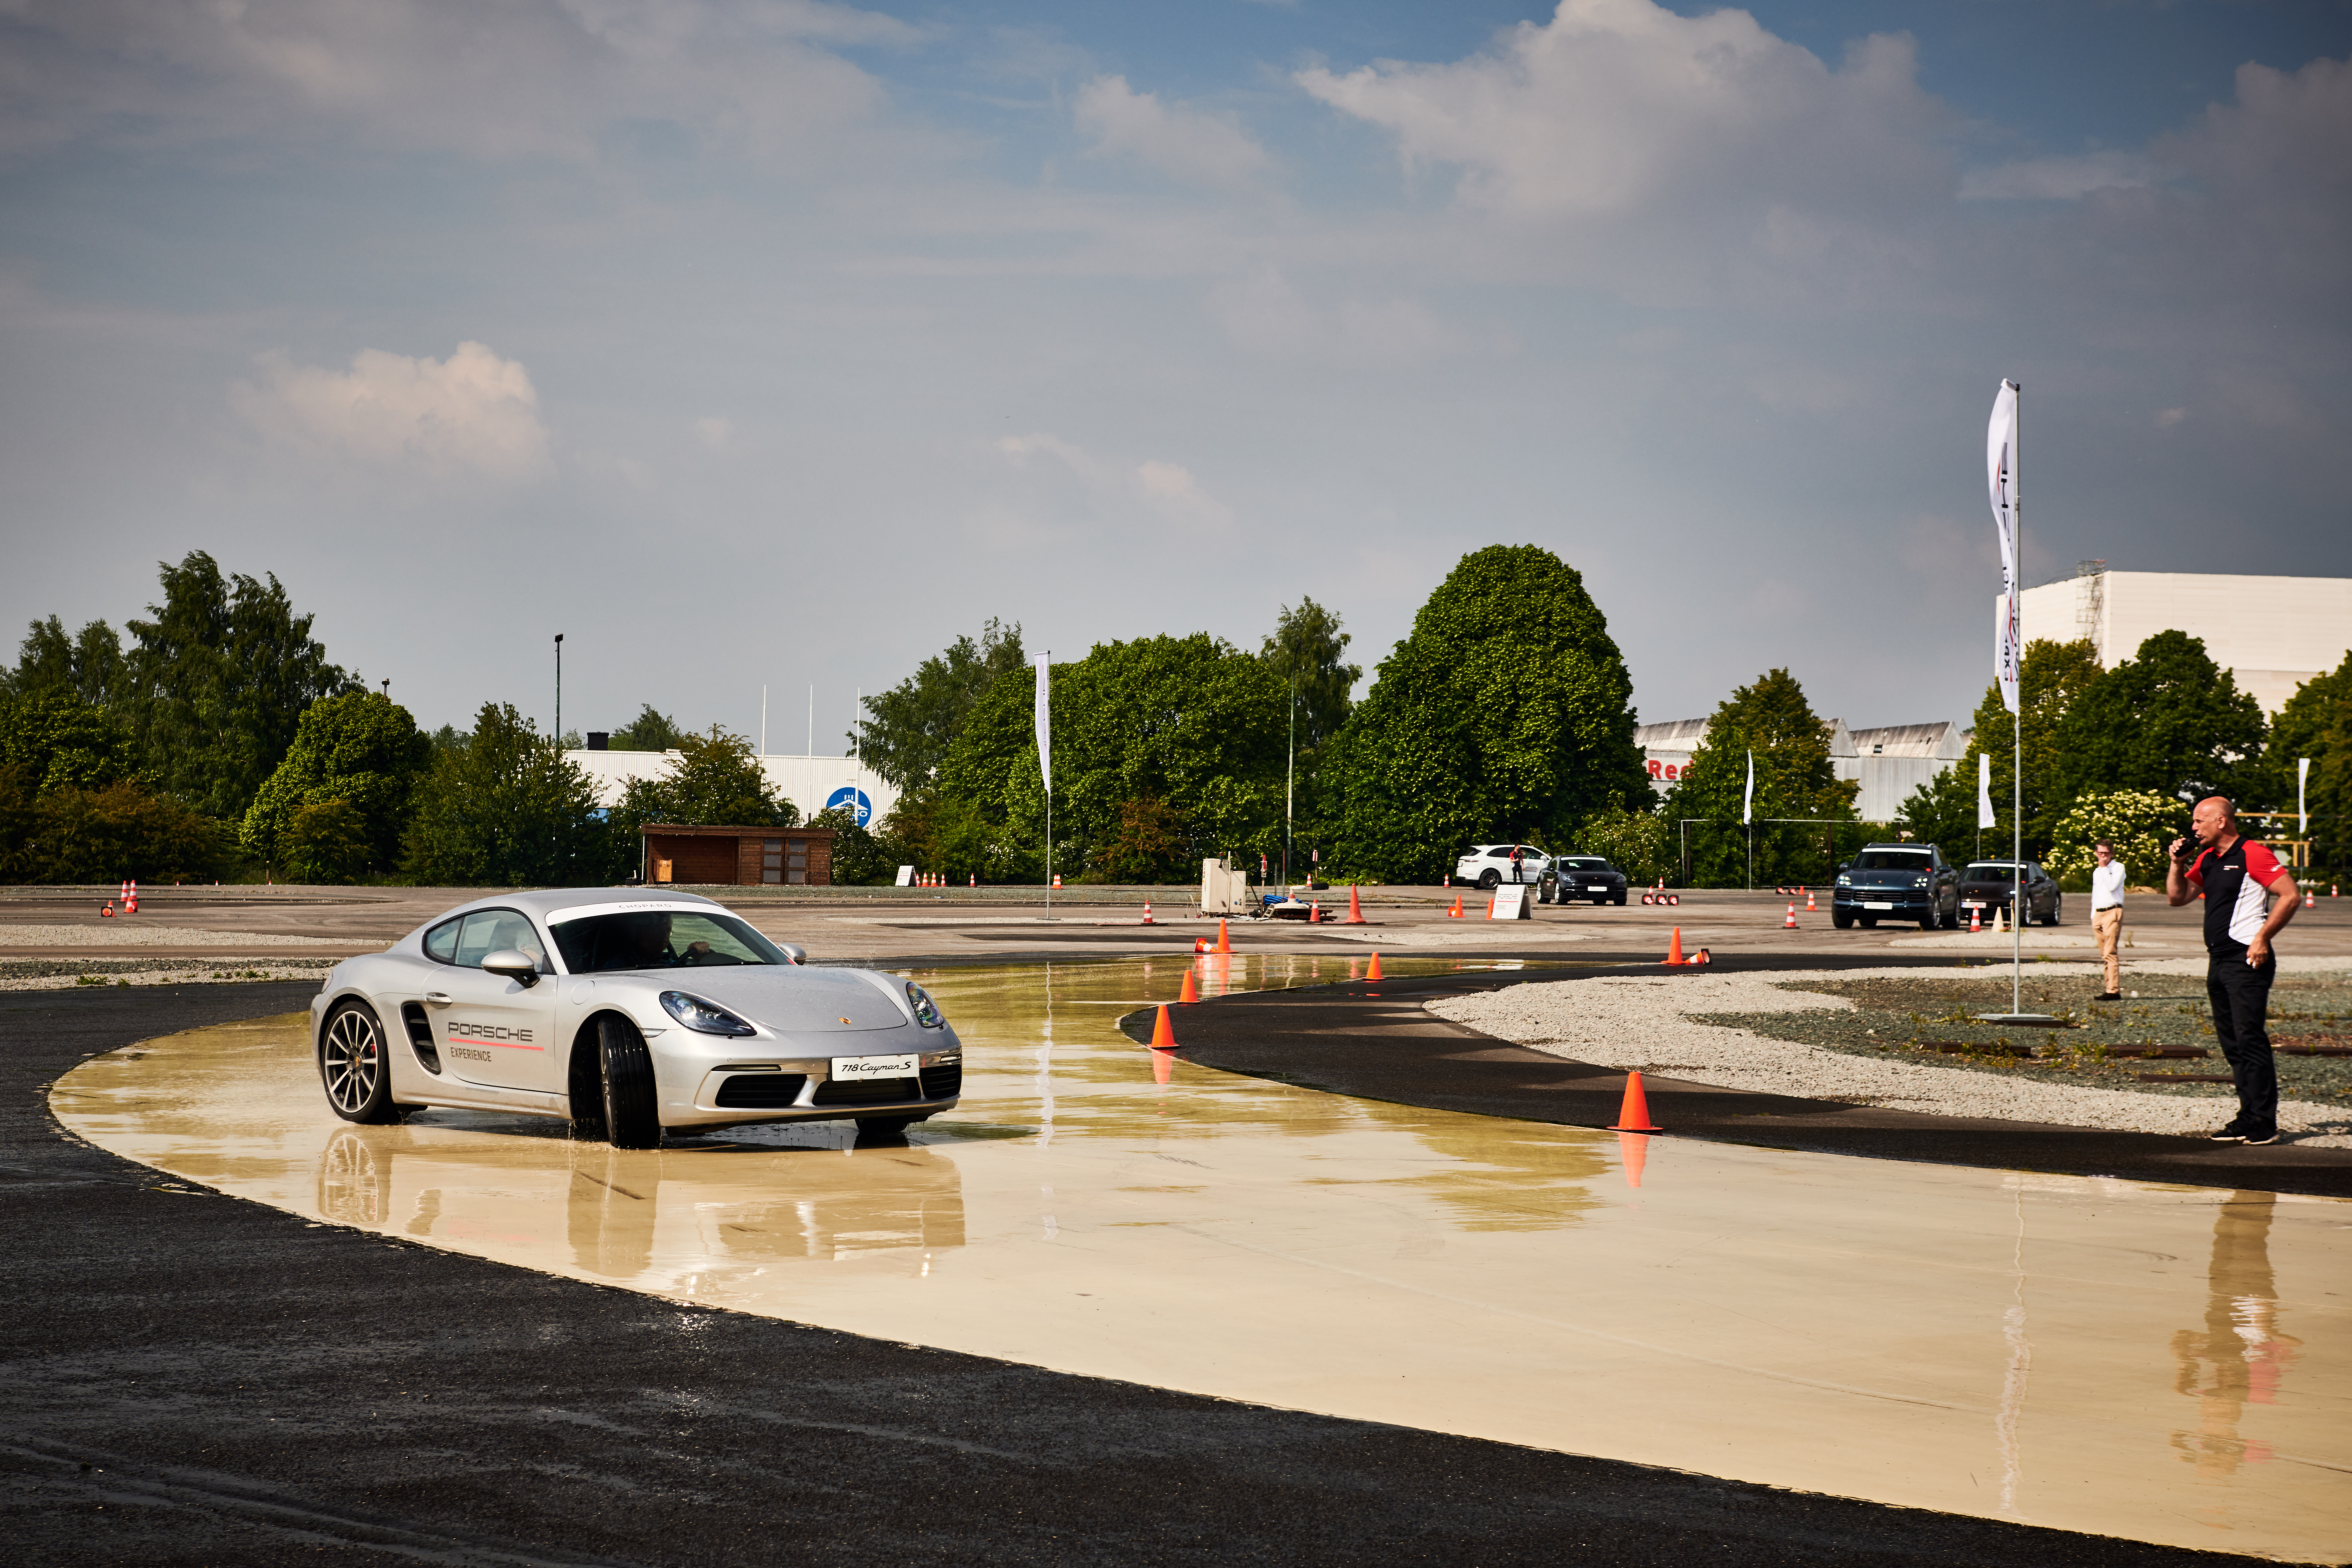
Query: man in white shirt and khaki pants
x,y
2108,915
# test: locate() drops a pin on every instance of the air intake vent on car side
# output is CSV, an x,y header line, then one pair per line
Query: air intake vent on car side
x,y
759,1091
420,1036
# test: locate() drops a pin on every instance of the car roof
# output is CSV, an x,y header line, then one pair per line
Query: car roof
x,y
546,901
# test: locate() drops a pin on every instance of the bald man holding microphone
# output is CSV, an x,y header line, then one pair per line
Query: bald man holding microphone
x,y
2236,878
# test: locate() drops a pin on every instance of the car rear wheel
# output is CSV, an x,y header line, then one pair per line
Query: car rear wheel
x,y
1489,879
353,1068
2052,918
630,1119
1951,920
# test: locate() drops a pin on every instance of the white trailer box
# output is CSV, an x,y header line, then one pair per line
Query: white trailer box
x,y
1225,888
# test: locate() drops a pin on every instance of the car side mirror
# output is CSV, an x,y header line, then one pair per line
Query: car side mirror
x,y
793,951
1844,867
515,964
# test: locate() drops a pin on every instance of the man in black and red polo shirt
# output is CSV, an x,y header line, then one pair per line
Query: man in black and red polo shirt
x,y
2236,875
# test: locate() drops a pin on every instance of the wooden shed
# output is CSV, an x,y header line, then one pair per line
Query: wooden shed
x,y
737,856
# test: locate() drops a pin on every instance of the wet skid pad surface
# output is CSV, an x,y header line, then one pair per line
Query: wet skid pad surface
x,y
2163,1364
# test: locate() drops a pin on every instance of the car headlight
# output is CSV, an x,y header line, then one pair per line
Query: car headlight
x,y
702,1017
1846,881
1919,881
927,1012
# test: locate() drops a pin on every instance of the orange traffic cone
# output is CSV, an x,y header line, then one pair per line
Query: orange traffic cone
x,y
1791,923
1632,1153
975,880
1163,1033
1225,939
1355,909
1675,948
1314,913
1200,944
1490,906
1147,911
1810,907
1976,920
1374,971
1633,1116
1456,912
1057,882
1191,992
108,912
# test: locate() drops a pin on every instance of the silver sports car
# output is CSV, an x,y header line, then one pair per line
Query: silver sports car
x,y
630,1015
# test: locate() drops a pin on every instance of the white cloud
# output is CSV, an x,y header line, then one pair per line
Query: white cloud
x,y
1265,311
2061,179
1182,143
716,433
524,78
1617,104
1165,491
472,414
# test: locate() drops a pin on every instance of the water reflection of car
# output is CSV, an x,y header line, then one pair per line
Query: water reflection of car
x,y
628,1015
1590,877
1489,865
1896,881
1991,885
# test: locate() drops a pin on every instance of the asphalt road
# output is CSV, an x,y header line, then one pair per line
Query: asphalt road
x,y
1347,1039
193,1379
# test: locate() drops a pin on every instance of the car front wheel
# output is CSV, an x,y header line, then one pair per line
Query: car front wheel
x,y
630,1118
354,1067
1840,919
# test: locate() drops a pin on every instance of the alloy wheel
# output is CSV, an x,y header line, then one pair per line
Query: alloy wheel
x,y
354,1060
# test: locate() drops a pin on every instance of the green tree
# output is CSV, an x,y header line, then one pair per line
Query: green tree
x,y
89,665
2168,720
2053,678
361,750
915,723
717,781
1192,723
650,730
218,683
102,835
55,740
1639,843
2140,823
861,858
1506,713
507,810
1794,779
2317,722
325,841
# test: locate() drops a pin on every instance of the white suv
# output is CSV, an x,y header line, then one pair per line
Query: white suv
x,y
1489,865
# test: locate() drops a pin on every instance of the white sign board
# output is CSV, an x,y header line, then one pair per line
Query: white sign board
x,y
1511,903
906,876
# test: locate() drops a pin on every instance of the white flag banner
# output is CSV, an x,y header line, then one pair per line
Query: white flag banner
x,y
1044,720
2301,777
1747,802
1984,790
2000,475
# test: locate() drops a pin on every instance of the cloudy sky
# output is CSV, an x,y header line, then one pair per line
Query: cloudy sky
x,y
778,341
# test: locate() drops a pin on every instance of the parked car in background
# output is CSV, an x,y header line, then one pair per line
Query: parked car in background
x,y
1489,865
1991,886
1896,881
1590,877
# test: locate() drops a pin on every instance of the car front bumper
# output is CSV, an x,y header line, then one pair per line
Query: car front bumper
x,y
1914,904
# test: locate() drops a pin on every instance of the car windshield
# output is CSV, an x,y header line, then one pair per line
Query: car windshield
x,y
1891,860
1586,863
660,938
1993,871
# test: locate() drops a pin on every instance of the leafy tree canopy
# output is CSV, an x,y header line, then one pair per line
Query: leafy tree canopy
x,y
218,683
1305,650
2052,677
915,724
1192,724
2317,722
1794,779
1506,713
2168,720
52,739
103,835
89,665
716,782
361,749
2140,823
650,730
507,810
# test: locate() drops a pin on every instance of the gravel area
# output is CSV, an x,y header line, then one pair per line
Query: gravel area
x,y
60,974
1658,1026
132,931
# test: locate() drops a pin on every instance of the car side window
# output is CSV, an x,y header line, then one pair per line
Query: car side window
x,y
441,942
486,931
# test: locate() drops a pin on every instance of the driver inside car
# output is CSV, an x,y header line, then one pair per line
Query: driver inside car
x,y
649,944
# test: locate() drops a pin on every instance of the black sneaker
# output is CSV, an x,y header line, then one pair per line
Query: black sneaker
x,y
2234,1133
2262,1135
2108,996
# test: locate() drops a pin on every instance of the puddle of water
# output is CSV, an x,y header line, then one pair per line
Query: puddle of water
x,y
2162,1363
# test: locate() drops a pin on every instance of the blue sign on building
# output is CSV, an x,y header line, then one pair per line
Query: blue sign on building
x,y
854,798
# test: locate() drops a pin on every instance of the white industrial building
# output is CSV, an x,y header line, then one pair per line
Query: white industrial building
x,y
1888,762
809,782
2272,633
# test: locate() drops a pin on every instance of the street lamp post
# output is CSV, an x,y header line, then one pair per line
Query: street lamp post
x,y
559,691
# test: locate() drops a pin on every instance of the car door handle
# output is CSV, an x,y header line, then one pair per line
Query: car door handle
x,y
436,999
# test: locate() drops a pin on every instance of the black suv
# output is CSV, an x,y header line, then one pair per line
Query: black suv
x,y
1590,877
1899,881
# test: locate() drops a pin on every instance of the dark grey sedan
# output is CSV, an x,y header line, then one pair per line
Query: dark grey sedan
x,y
1988,886
1590,877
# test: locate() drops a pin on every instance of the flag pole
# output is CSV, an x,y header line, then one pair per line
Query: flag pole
x,y
2017,724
